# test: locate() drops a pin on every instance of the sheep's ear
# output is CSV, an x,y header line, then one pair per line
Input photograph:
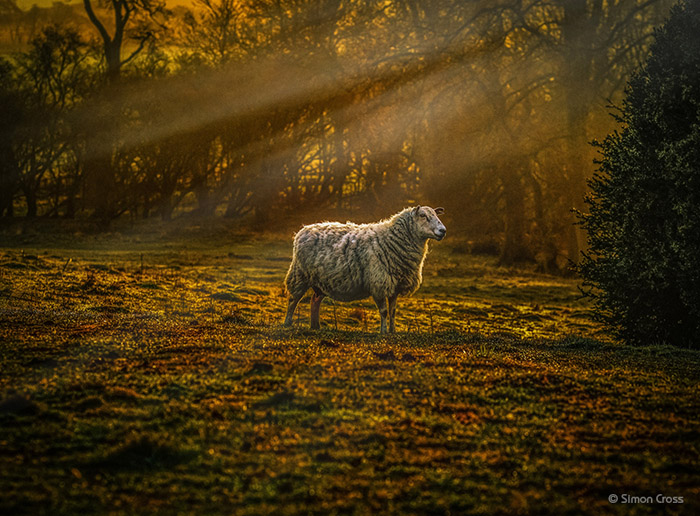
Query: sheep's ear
x,y
415,210
439,211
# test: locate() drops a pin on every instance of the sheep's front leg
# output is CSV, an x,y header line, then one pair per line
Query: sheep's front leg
x,y
291,306
383,311
392,313
316,299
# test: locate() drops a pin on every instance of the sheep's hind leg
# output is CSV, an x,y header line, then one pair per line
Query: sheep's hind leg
x,y
392,313
316,299
383,312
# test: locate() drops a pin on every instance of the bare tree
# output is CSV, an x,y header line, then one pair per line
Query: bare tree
x,y
125,13
53,78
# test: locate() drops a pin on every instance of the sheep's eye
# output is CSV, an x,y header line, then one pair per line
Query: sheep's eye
x,y
424,215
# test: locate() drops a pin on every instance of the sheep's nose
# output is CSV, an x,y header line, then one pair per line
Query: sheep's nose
x,y
442,232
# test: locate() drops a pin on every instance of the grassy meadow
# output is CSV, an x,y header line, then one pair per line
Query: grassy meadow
x,y
148,372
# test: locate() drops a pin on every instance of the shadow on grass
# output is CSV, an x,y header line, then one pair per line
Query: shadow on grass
x,y
18,405
141,453
288,401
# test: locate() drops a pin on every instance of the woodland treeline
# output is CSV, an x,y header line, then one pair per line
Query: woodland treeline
x,y
265,108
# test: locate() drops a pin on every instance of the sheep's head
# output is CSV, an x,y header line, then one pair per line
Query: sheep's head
x,y
428,223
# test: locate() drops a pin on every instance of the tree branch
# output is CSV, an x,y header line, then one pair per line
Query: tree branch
x,y
142,44
96,21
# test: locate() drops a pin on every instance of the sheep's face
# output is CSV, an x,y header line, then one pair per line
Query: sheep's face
x,y
428,223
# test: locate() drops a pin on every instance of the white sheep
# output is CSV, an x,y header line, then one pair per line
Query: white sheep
x,y
347,262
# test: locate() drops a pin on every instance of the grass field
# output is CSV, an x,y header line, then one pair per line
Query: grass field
x,y
149,372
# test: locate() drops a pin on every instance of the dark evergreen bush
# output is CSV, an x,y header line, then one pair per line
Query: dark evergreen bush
x,y
643,264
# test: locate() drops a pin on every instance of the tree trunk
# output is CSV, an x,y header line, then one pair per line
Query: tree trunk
x,y
166,210
70,206
577,82
113,58
515,248
101,195
6,208
30,197
205,204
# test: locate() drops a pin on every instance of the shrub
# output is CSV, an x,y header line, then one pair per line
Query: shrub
x,y
643,263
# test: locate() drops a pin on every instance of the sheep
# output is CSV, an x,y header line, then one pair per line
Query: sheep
x,y
347,262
